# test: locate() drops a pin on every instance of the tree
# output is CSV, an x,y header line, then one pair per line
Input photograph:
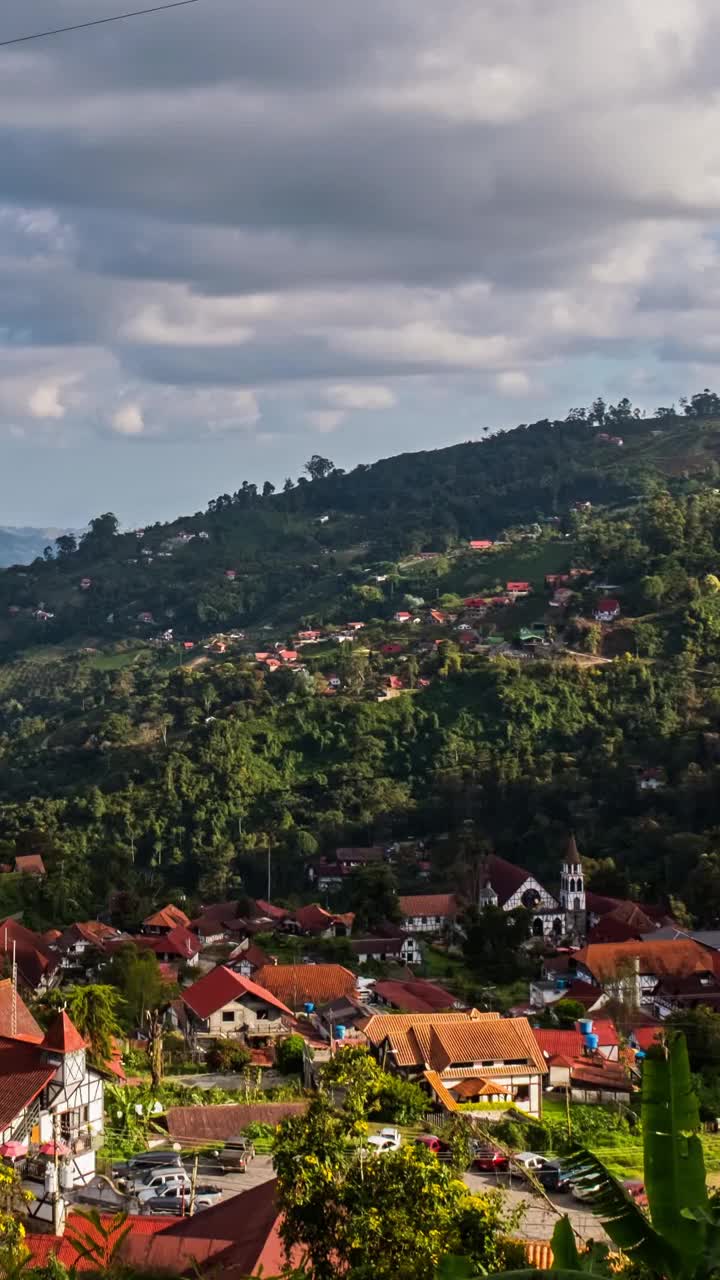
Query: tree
x,y
289,1055
389,1217
101,531
135,973
374,897
94,1010
268,489
318,467
66,545
228,1056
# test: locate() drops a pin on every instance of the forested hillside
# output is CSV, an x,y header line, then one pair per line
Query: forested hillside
x,y
147,757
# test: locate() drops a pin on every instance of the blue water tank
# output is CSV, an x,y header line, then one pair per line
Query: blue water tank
x,y
640,1055
339,1032
586,1026
309,1006
561,984
591,1043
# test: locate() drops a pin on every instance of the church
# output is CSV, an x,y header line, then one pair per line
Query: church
x,y
552,916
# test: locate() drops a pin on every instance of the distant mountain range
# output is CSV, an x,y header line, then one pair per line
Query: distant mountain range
x,y
20,545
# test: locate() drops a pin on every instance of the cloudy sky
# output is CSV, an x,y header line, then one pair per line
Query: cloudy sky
x,y
244,231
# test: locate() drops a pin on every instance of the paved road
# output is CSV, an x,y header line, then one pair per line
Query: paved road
x,y
539,1219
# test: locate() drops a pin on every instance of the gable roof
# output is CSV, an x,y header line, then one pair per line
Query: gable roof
x,y
373,854
299,984
505,877
24,1072
676,957
263,908
166,918
315,918
408,1033
429,904
25,1023
62,1036
32,953
487,1039
221,986
91,931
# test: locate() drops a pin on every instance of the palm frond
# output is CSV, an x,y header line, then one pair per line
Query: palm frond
x,y
623,1220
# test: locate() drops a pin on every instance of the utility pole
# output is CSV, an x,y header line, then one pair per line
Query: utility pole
x,y
269,867
193,1186
56,1214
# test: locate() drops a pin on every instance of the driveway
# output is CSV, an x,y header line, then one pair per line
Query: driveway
x,y
539,1220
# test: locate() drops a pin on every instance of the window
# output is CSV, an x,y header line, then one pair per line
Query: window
x,y
228,1015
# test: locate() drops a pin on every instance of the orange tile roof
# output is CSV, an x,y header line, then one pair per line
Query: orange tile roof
x,y
408,1034
502,1040
167,917
429,904
298,984
62,1036
441,1093
666,957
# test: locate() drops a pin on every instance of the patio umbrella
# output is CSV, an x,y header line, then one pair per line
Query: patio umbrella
x,y
48,1149
13,1150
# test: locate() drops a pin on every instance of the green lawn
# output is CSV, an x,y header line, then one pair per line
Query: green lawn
x,y
114,661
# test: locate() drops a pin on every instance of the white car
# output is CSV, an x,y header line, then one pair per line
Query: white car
x,y
153,1183
386,1140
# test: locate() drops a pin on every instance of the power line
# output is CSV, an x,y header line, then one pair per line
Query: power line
x,y
96,22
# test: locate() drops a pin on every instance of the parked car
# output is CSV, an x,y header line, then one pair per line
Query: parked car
x,y
142,1163
154,1182
387,1139
176,1201
549,1173
432,1143
490,1160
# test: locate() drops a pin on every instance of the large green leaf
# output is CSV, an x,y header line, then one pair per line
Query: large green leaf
x,y
674,1164
623,1220
564,1246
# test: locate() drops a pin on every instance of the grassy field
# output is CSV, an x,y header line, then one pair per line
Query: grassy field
x,y
114,661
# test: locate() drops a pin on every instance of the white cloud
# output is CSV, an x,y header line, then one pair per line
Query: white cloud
x,y
513,382
44,402
324,420
360,396
128,420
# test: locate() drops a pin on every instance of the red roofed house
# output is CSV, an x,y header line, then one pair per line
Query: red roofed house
x,y
480,544
178,945
427,912
37,964
46,1086
164,920
438,616
231,574
636,968
416,996
246,959
80,938
402,616
607,610
30,864
224,1004
319,923
288,655
518,588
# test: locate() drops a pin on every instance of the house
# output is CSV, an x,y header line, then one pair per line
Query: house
x,y
48,1093
85,584
480,544
224,1004
30,864
633,969
400,947
391,649
603,438
300,984
607,609
145,616
231,574
178,946
318,923
692,991
268,911
415,995
571,1044
561,598
651,779
38,966
355,626
444,1051
309,637
247,959
590,1078
402,616
428,912
349,859
164,920
518,589
288,655
437,615
81,938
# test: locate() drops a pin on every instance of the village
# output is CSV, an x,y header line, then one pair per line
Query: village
x,y
255,984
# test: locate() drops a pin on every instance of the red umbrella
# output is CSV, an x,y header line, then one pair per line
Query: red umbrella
x,y
13,1150
48,1149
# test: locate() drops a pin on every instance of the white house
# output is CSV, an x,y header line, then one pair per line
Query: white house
x,y
223,1004
508,886
427,912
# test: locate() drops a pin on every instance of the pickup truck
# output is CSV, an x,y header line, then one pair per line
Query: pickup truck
x,y
490,1160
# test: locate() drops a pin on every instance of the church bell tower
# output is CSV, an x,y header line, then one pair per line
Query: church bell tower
x,y
572,890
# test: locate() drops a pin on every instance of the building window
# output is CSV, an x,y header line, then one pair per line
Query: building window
x,y
228,1015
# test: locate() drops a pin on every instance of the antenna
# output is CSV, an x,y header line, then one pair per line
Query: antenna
x,y
13,1005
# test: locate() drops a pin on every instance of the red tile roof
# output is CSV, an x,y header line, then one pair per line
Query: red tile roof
x,y
429,904
517,586
67,1249
676,957
219,987
24,1072
30,864
263,908
644,1037
415,997
298,984
505,877
26,1025
33,955
62,1036
166,918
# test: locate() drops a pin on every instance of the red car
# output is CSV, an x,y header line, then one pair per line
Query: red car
x,y
490,1160
432,1143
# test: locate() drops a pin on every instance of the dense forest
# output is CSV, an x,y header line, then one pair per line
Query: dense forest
x,y
138,775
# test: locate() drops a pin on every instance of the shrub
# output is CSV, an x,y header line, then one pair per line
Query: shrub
x,y
227,1055
400,1101
289,1055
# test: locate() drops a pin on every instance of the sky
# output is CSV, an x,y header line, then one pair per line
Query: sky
x,y
242,232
